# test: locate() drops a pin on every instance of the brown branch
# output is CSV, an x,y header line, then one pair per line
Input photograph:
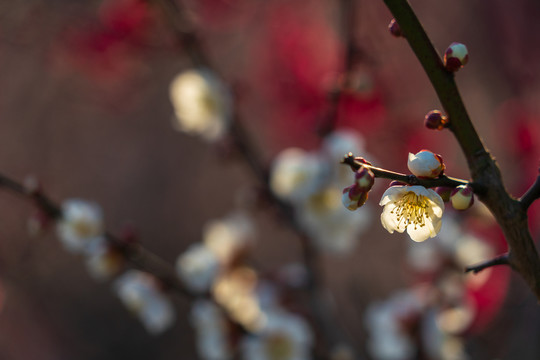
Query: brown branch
x,y
135,254
499,260
442,180
532,194
508,211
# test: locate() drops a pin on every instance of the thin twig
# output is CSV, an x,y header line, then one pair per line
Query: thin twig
x,y
133,253
442,180
499,260
532,194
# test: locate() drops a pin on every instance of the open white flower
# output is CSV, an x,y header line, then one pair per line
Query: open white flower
x,y
413,208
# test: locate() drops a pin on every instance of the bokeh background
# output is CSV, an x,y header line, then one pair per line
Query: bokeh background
x,y
84,107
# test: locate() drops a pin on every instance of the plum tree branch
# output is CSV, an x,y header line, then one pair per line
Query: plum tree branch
x,y
134,253
499,260
509,212
442,180
532,194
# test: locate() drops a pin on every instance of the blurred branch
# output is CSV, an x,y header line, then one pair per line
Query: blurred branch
x,y
531,195
499,260
509,212
133,253
186,35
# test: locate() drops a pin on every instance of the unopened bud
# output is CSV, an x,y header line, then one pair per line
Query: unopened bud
x,y
455,57
462,197
353,197
444,192
435,120
364,178
426,164
394,28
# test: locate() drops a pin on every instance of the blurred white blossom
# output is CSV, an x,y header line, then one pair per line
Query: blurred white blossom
x,y
388,338
202,104
296,174
229,237
312,183
197,267
283,336
141,294
211,329
81,221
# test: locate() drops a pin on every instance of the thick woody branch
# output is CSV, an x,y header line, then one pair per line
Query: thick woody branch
x,y
499,260
531,195
509,212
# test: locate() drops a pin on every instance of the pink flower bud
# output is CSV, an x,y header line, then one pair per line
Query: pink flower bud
x,y
353,197
426,164
435,120
364,178
462,197
394,28
455,57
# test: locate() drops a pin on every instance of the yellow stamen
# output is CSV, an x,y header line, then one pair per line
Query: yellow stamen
x,y
411,209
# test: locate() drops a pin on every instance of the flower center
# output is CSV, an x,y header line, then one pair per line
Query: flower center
x,y
411,210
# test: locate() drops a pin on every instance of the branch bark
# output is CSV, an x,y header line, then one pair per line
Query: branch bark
x,y
508,211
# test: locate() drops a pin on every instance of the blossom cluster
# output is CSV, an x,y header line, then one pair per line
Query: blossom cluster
x,y
312,181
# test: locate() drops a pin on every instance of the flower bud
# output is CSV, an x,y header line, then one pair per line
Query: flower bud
x,y
353,197
435,120
455,57
462,197
364,178
425,164
394,28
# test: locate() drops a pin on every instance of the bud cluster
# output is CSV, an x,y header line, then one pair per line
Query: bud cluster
x,y
356,195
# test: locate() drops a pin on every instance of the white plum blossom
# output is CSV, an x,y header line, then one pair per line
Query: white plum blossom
x,y
229,237
81,221
425,164
413,208
284,336
211,329
296,174
202,104
198,267
140,293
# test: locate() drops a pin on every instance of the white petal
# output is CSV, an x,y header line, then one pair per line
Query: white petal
x,y
392,194
389,221
438,203
419,233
